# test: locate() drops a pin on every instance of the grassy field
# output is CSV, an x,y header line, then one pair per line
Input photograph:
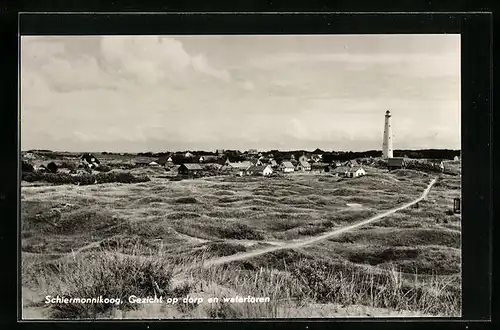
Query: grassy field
x,y
117,239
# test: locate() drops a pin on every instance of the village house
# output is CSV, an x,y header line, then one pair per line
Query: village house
x,y
207,159
188,155
437,162
303,158
456,158
287,167
340,171
90,161
355,172
257,162
162,161
351,163
316,158
141,161
395,163
320,167
273,163
260,170
303,166
240,165
153,163
172,169
29,155
190,169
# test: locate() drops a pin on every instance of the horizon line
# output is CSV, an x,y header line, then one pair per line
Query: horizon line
x,y
241,150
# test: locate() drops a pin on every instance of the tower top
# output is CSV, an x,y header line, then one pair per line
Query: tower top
x,y
387,113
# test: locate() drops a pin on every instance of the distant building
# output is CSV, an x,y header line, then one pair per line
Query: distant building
x,y
273,163
303,158
320,167
341,171
240,165
303,166
456,158
190,169
395,163
316,158
355,172
351,163
162,161
90,161
29,155
207,159
153,163
260,170
141,161
253,152
437,162
257,162
188,155
287,167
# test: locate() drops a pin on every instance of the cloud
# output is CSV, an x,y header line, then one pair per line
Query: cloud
x,y
152,59
160,93
248,85
423,64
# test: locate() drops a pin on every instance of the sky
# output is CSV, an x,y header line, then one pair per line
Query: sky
x,y
174,93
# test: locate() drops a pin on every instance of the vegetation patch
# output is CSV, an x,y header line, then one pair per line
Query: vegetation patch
x,y
107,275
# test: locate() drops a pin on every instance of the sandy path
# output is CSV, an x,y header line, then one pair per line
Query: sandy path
x,y
251,254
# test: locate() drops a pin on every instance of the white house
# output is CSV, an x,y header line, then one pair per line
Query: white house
x,y
188,155
456,158
303,166
29,155
355,172
260,170
268,170
287,167
207,158
154,163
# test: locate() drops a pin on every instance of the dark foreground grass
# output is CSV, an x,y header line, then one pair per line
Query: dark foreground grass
x,y
102,274
307,281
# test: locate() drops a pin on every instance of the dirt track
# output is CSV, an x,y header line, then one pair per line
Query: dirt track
x,y
251,254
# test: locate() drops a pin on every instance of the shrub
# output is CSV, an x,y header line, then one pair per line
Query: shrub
x,y
186,200
109,275
103,168
26,167
52,167
84,179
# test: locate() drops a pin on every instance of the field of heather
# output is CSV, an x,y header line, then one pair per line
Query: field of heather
x,y
121,239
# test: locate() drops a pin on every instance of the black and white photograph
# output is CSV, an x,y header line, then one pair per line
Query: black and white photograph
x,y
240,176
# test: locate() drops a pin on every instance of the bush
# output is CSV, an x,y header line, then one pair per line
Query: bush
x,y
103,168
84,179
52,167
27,167
186,200
111,276
68,165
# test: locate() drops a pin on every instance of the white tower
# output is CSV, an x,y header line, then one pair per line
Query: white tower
x,y
387,144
